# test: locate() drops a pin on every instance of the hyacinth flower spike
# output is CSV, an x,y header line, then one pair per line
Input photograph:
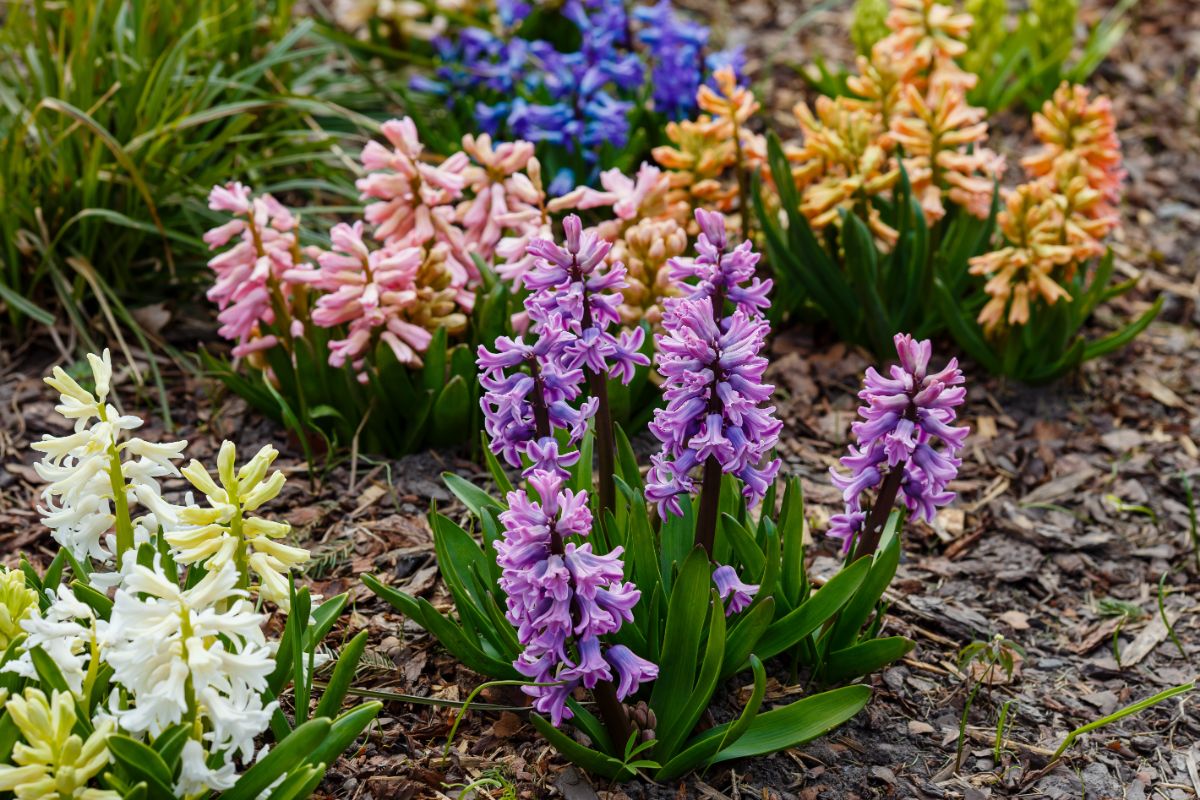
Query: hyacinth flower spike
x,y
905,415
574,287
716,418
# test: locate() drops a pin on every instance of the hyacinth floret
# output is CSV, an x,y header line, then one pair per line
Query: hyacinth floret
x,y
905,415
562,597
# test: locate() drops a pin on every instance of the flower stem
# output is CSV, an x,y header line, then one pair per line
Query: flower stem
x,y
605,441
613,714
710,505
868,541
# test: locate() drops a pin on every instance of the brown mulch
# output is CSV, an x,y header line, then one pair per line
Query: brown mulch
x,y
1070,497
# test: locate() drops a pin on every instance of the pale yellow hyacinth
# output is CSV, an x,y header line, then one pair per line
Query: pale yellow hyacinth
x,y
17,602
52,762
225,532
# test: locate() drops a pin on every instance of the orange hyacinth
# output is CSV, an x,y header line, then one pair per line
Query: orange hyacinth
x,y
879,84
933,36
1070,125
1024,269
644,250
842,165
937,136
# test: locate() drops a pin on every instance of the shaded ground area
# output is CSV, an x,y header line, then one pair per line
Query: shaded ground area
x,y
1071,509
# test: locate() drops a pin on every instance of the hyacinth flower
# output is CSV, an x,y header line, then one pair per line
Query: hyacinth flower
x,y
395,295
528,394
1024,269
227,533
1079,132
195,656
933,36
676,46
69,633
716,419
97,472
54,762
412,203
843,164
573,285
17,602
942,137
250,289
904,417
562,598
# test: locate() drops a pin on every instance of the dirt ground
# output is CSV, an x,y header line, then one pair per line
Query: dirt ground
x,y
1072,507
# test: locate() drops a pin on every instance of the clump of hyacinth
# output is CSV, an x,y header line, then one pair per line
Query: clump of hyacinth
x,y
562,598
904,417
942,137
80,506
403,19
227,533
249,284
716,410
68,631
1078,132
395,295
645,249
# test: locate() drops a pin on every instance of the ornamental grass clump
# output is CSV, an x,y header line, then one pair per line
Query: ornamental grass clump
x,y
887,216
148,672
644,598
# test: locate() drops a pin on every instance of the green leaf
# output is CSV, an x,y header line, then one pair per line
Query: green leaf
x,y
282,758
744,636
794,724
343,674
703,749
472,496
142,763
591,760
342,733
866,598
451,413
498,474
687,610
865,658
673,731
813,612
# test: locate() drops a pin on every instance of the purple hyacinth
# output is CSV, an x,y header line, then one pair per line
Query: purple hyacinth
x,y
528,392
573,282
904,417
562,598
716,416
719,272
738,595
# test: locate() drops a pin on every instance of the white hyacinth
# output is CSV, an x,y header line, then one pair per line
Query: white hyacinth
x,y
95,474
191,653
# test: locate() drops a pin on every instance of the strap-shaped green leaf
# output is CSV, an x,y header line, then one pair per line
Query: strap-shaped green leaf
x,y
794,724
883,568
591,760
865,658
687,611
744,635
282,758
142,764
813,612
342,676
472,496
704,747
344,730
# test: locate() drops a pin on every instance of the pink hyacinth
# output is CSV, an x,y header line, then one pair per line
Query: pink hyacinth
x,y
503,196
248,272
414,202
372,292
